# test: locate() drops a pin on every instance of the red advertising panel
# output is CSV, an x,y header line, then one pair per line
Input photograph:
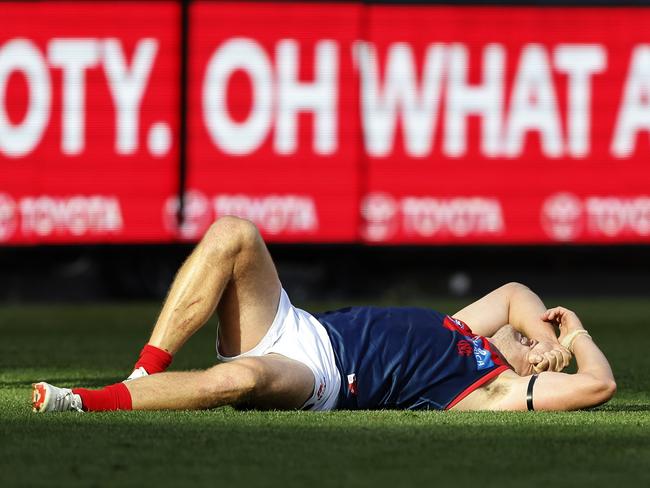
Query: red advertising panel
x,y
88,117
506,125
274,119
326,122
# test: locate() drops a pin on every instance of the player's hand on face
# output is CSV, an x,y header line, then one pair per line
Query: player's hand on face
x,y
553,360
567,321
549,356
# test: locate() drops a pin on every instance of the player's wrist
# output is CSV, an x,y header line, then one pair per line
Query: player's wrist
x,y
571,327
569,340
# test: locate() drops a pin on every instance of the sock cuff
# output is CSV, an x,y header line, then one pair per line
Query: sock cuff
x,y
157,352
123,396
153,359
112,397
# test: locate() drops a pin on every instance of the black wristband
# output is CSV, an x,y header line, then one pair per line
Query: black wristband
x,y
529,392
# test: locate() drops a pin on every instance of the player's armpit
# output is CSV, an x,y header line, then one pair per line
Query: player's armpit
x,y
559,391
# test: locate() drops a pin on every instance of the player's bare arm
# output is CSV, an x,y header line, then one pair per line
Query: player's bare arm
x,y
594,382
592,385
519,306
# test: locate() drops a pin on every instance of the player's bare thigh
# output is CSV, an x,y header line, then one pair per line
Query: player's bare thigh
x,y
271,381
282,383
250,301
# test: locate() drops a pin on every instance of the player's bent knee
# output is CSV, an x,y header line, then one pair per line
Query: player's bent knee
x,y
248,235
514,287
231,235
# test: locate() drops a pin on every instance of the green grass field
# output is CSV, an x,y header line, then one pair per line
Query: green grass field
x,y
96,345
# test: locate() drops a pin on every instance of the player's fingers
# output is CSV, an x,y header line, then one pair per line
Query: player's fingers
x,y
552,360
560,360
557,311
559,363
554,314
541,366
566,357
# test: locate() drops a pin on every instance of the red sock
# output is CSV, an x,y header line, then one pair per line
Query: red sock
x,y
153,359
113,397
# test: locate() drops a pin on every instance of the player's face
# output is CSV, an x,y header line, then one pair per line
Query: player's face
x,y
516,348
523,340
525,368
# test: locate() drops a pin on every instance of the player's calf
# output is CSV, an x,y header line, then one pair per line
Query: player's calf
x,y
229,242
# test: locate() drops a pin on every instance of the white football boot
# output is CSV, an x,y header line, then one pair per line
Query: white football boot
x,y
137,373
49,398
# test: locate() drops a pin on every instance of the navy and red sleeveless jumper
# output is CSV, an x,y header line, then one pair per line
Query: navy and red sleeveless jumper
x,y
406,358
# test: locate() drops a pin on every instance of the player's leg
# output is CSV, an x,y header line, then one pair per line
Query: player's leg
x,y
232,259
250,301
272,381
230,267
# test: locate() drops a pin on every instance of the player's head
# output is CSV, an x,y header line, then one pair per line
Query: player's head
x,y
516,349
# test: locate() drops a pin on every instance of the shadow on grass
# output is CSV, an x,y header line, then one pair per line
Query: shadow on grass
x,y
373,449
631,407
62,381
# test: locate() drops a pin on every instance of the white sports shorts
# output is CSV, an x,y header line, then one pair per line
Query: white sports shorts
x,y
297,335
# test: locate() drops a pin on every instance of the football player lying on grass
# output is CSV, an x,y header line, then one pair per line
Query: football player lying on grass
x,y
275,356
